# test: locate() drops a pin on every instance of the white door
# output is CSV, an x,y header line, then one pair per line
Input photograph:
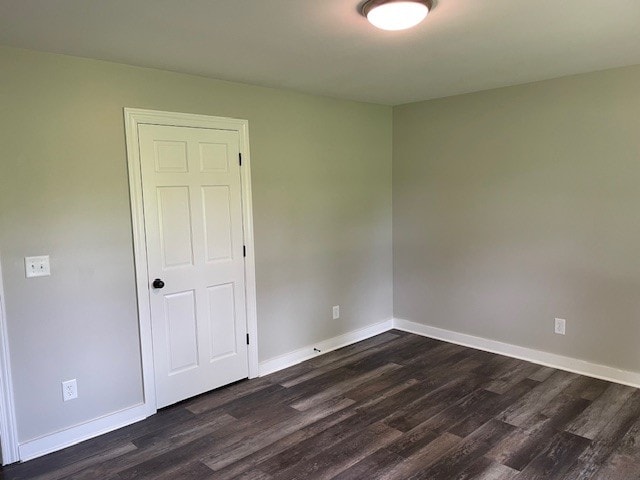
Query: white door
x,y
192,200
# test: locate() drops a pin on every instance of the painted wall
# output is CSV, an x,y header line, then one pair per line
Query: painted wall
x,y
515,206
322,206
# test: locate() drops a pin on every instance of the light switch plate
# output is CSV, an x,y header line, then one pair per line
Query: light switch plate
x,y
37,266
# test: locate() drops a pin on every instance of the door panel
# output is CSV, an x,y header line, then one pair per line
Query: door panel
x,y
217,221
221,313
214,157
182,332
174,219
193,225
171,157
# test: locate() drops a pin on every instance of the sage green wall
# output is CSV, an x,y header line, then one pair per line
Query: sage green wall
x,y
322,213
517,205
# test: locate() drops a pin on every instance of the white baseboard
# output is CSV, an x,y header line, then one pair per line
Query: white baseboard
x,y
71,436
297,356
79,433
561,362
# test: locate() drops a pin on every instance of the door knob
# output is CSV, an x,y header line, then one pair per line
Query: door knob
x,y
157,283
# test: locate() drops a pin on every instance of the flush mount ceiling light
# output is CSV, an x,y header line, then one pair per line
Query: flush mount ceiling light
x,y
396,14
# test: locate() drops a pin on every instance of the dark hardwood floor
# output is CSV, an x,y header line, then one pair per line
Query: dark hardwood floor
x,y
396,406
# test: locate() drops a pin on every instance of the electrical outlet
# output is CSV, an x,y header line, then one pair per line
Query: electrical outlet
x,y
69,390
560,326
336,312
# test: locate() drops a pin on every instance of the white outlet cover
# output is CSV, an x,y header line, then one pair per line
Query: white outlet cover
x,y
69,390
336,312
37,266
560,326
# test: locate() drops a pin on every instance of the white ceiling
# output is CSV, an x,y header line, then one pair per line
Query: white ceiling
x,y
326,47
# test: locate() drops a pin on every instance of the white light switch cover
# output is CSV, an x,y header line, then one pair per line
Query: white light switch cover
x,y
37,266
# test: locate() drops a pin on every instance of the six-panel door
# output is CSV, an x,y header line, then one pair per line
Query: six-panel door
x,y
193,224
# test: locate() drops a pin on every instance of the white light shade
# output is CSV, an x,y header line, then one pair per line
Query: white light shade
x,y
397,15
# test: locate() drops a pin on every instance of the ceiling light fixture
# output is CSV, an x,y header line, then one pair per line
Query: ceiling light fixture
x,y
396,14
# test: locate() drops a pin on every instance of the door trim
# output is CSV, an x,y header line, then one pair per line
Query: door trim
x,y
8,426
134,117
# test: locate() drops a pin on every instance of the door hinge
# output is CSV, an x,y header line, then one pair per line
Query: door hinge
x,y
244,250
240,158
247,339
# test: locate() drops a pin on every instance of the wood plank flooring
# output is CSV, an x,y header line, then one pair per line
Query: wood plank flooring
x,y
396,406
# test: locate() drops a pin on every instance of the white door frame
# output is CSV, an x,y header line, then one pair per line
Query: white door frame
x,y
8,429
134,117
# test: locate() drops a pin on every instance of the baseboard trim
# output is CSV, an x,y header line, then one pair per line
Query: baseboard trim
x,y
74,435
79,433
570,364
297,356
